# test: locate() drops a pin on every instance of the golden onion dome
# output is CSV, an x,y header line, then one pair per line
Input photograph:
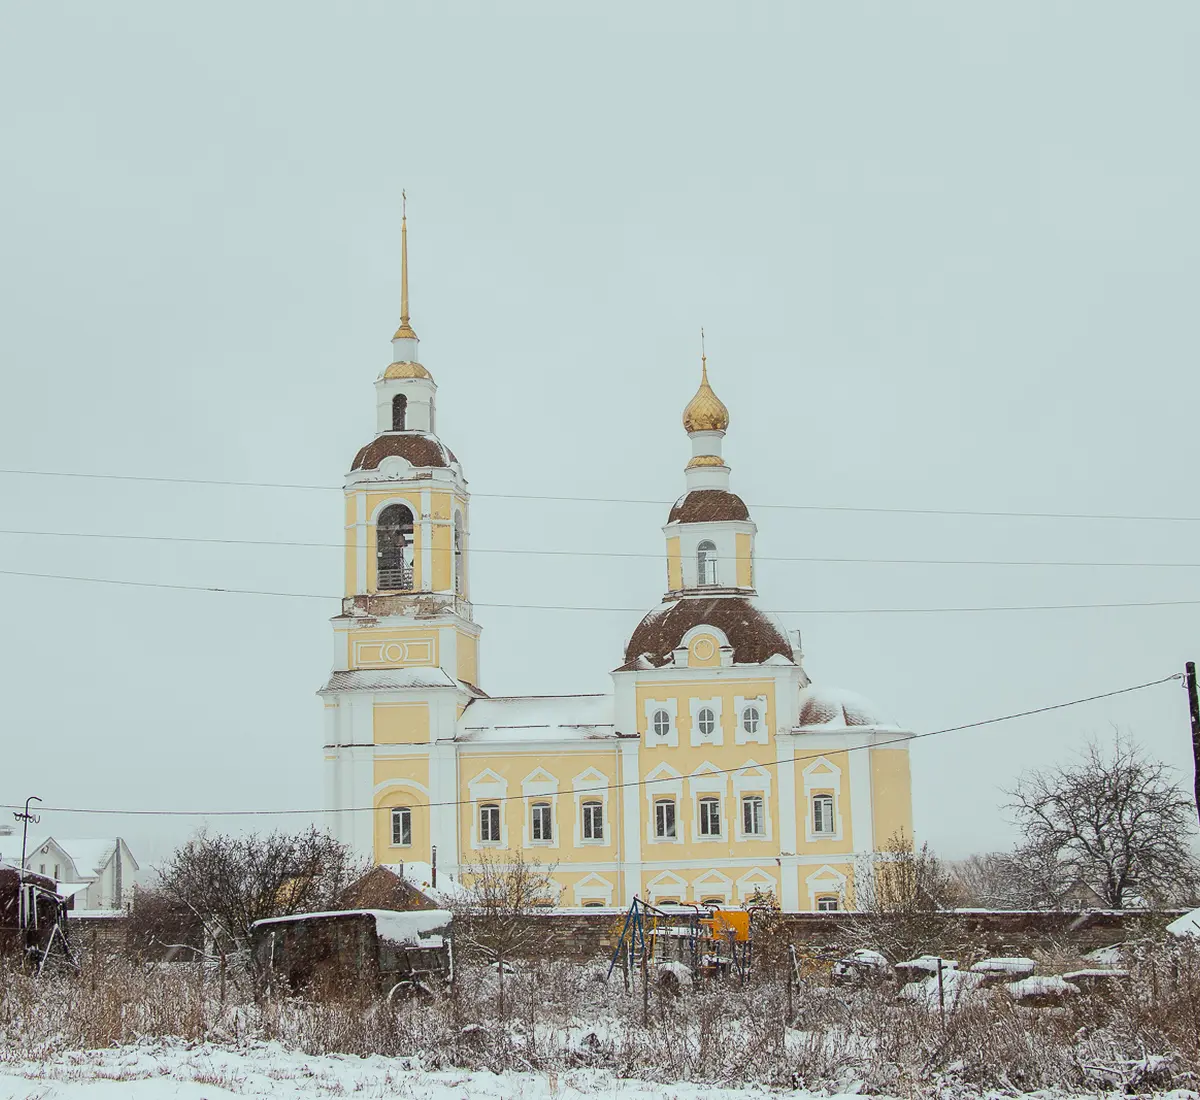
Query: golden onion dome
x,y
406,370
706,412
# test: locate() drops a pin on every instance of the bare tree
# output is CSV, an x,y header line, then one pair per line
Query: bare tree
x,y
492,916
1027,878
229,882
904,897
1115,821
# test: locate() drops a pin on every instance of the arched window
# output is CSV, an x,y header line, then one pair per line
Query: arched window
x,y
706,721
489,823
664,818
710,816
394,548
540,819
706,563
822,808
460,560
827,903
399,409
751,720
593,820
402,826
662,723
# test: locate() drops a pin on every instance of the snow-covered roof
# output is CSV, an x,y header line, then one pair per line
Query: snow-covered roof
x,y
835,708
388,679
89,856
420,875
538,718
414,928
1187,925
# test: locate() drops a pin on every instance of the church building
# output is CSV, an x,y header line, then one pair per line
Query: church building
x,y
713,771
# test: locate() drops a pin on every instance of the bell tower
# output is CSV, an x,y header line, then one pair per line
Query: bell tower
x,y
406,646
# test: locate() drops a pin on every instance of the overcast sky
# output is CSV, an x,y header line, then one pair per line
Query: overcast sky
x,y
945,255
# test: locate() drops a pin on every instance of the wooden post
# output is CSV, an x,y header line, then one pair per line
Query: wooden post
x,y
941,993
789,955
1194,707
645,987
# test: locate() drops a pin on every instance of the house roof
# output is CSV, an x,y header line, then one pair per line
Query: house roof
x,y
538,718
389,679
754,635
835,708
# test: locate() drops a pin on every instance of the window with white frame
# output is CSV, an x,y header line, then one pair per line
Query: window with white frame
x,y
664,818
540,828
710,816
827,903
593,820
822,815
661,723
706,721
489,823
751,721
754,822
401,827
706,563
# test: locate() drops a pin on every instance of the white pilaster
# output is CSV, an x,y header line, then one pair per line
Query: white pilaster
x,y
861,815
631,820
426,542
785,751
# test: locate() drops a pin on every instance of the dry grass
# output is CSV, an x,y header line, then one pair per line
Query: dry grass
x,y
558,1016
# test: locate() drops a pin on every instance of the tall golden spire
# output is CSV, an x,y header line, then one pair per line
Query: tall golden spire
x,y
706,412
405,331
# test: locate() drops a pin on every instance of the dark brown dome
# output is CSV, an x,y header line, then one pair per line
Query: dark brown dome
x,y
707,506
754,635
416,447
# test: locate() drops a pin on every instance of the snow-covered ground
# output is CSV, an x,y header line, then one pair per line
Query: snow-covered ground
x,y
209,1072
154,1071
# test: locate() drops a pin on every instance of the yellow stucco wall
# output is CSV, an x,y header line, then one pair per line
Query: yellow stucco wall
x,y
704,651
403,779
401,723
838,786
674,565
468,658
687,759
397,648
745,565
891,794
560,763
443,558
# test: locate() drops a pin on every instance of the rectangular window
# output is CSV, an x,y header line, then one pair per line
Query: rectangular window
x,y
593,821
822,805
664,819
710,817
827,904
753,821
489,823
402,826
541,821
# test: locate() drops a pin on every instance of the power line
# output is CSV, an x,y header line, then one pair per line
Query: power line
x,y
623,610
981,513
800,758
809,559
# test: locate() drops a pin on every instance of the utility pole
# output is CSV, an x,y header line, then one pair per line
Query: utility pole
x,y
26,818
1189,679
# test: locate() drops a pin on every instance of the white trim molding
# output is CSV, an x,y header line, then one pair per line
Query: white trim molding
x,y
664,782
823,881
593,784
754,778
756,881
822,776
671,706
695,706
487,786
708,780
539,786
711,884
666,883
740,705
593,888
